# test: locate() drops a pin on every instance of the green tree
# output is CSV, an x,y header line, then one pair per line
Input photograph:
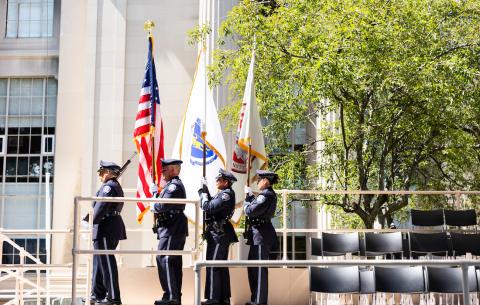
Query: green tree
x,y
401,77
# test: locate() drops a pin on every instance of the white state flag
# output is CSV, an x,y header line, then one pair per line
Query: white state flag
x,y
249,132
200,114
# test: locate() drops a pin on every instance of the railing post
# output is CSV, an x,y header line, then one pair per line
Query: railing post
x,y
197,219
21,275
74,250
284,213
466,293
38,287
458,199
198,278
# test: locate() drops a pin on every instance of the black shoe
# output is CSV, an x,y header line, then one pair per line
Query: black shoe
x,y
211,302
107,301
167,302
93,299
225,302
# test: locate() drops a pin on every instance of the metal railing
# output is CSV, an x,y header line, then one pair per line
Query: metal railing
x,y
464,264
284,194
284,230
76,251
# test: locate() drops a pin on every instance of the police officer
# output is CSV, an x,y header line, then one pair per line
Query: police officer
x,y
108,230
261,235
219,234
172,230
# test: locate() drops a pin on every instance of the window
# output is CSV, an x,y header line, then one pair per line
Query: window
x,y
296,250
27,127
48,144
2,145
29,18
36,247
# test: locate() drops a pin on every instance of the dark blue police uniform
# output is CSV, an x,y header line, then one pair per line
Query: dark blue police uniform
x,y
261,236
219,234
172,232
108,230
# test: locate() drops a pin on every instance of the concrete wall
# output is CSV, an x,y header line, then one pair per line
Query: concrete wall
x,y
103,49
286,286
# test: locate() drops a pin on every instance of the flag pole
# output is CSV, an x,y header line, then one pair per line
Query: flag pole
x,y
204,132
148,26
249,160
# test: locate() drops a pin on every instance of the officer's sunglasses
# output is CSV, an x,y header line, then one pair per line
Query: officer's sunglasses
x,y
101,171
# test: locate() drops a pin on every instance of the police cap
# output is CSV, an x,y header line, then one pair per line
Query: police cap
x,y
271,176
166,162
225,175
109,165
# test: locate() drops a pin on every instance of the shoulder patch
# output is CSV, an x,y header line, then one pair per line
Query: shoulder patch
x,y
261,199
225,197
171,188
106,189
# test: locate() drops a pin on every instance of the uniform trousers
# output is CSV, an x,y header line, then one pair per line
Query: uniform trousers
x,y
217,286
105,272
258,276
170,267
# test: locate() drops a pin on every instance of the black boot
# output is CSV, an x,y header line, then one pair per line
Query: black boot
x,y
167,302
92,301
107,301
211,302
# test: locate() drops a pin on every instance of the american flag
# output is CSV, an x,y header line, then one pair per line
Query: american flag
x,y
148,134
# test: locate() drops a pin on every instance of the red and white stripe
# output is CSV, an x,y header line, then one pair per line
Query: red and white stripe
x,y
143,134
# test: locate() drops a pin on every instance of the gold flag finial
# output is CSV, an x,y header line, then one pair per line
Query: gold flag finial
x,y
148,26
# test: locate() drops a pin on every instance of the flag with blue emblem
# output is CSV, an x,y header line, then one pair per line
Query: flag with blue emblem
x,y
200,119
148,134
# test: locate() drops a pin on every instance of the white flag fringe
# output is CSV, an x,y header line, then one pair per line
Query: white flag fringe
x,y
201,114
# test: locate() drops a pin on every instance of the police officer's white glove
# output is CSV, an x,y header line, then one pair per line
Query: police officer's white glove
x,y
153,189
248,191
152,207
84,225
203,198
204,182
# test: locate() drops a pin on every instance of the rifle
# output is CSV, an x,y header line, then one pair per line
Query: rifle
x,y
120,172
127,163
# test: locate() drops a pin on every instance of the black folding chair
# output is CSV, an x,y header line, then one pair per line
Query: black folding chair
x,y
463,243
430,218
340,244
400,279
403,280
381,244
449,281
461,218
334,280
428,244
367,281
316,246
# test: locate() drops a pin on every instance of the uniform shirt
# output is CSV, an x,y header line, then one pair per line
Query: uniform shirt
x,y
220,207
263,206
173,189
105,221
178,226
